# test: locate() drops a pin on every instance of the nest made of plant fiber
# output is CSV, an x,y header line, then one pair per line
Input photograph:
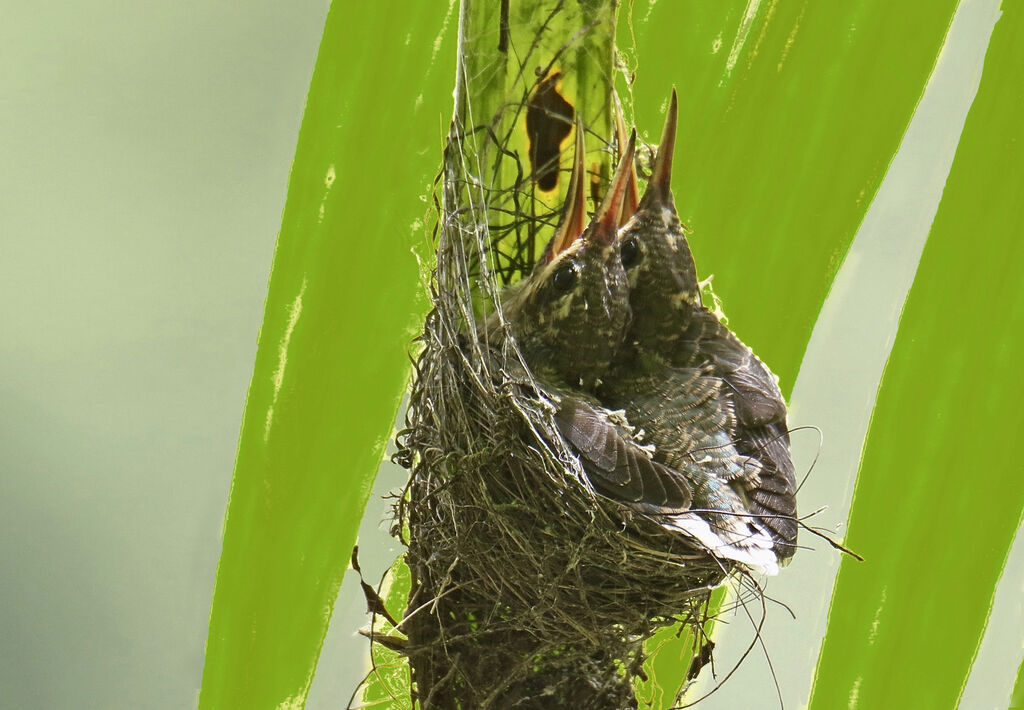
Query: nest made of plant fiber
x,y
529,589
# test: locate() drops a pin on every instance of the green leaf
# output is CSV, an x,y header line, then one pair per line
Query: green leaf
x,y
790,114
935,509
1017,699
388,683
345,298
508,52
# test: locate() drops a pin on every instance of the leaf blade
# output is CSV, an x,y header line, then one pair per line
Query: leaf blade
x,y
343,301
935,405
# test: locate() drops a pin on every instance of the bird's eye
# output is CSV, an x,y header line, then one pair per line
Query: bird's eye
x,y
629,252
564,277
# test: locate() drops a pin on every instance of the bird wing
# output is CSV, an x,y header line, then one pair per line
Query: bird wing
x,y
761,431
621,470
616,465
687,417
756,396
678,408
773,498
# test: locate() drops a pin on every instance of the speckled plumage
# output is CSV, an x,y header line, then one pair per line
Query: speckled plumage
x,y
569,333
701,396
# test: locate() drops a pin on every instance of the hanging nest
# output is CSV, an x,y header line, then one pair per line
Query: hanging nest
x,y
529,590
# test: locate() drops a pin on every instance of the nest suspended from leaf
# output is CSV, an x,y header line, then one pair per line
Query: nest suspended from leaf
x,y
530,590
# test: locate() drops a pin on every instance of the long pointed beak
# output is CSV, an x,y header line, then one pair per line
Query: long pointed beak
x,y
632,196
574,214
606,222
659,189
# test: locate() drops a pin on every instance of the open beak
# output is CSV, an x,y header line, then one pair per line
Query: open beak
x,y
605,224
574,214
659,189
632,197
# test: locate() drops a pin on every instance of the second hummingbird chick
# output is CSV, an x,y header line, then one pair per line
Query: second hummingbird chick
x,y
709,406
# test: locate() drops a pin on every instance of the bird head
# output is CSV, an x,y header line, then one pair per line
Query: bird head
x,y
655,254
570,314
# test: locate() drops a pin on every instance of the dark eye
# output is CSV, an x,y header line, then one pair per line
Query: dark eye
x,y
629,252
564,277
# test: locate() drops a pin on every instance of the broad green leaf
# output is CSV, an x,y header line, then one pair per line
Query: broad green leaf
x,y
345,298
790,114
935,511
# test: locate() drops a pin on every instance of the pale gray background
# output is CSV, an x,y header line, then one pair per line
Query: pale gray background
x,y
144,157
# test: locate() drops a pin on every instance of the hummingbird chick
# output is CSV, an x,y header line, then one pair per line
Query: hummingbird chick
x,y
712,410
569,318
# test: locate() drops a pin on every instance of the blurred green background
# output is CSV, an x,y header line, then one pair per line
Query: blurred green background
x,y
145,155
